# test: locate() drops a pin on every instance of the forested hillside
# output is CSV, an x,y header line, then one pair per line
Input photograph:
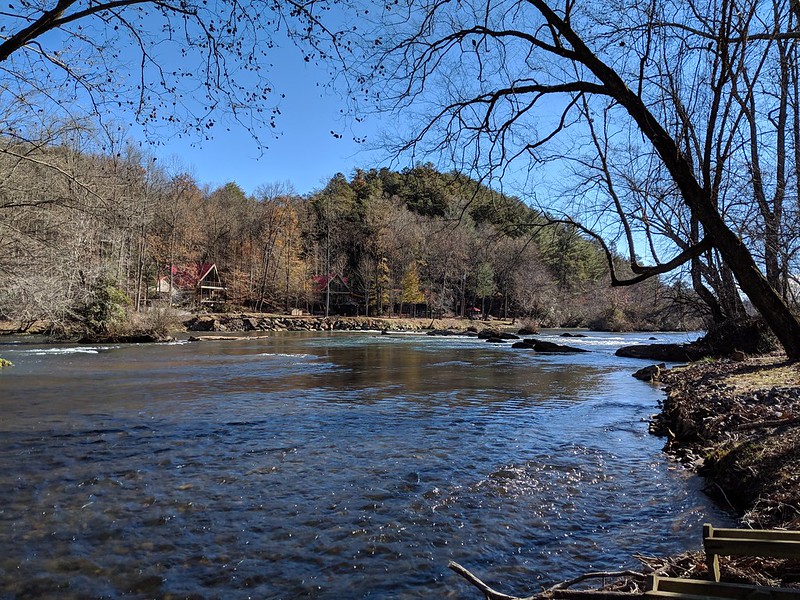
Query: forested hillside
x,y
90,236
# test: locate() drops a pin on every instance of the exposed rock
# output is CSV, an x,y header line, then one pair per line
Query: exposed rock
x,y
556,348
663,352
524,345
750,335
489,333
250,324
651,373
567,334
138,337
552,347
234,324
202,323
738,356
747,336
496,340
530,330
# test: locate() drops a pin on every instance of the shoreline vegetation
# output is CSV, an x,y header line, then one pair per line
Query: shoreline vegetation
x,y
733,420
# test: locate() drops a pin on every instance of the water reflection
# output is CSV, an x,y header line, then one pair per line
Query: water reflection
x,y
328,467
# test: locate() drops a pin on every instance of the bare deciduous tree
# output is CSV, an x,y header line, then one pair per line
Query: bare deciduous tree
x,y
676,100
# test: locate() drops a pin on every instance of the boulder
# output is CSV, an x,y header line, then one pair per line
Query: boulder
x,y
250,324
529,330
136,337
234,324
663,352
496,340
487,333
524,345
551,347
651,373
738,356
548,347
203,323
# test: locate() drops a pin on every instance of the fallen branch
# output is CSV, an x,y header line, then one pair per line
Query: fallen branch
x,y
559,590
768,423
490,593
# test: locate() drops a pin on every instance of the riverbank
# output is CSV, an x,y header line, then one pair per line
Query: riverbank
x,y
241,322
738,425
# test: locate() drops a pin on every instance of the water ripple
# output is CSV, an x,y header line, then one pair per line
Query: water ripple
x,y
326,467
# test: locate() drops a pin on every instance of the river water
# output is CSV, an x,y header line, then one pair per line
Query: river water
x,y
329,466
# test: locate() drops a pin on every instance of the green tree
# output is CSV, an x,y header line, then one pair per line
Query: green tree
x,y
106,306
411,291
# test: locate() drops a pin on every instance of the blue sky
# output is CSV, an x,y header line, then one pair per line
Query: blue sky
x,y
305,153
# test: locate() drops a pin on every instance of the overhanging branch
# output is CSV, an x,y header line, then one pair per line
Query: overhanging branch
x,y
643,272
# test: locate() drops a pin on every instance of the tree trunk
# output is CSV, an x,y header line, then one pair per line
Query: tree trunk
x,y
733,251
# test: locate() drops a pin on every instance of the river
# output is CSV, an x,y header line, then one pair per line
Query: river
x,y
346,465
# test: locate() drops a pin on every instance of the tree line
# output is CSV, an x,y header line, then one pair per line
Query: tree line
x,y
80,225
675,124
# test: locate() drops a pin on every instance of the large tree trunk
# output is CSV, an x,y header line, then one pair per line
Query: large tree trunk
x,y
733,251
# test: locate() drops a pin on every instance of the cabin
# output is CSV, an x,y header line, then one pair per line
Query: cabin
x,y
209,289
198,284
342,300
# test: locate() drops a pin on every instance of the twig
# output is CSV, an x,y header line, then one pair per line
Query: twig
x,y
603,574
724,495
490,593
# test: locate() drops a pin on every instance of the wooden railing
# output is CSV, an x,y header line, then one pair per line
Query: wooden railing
x,y
773,543
698,589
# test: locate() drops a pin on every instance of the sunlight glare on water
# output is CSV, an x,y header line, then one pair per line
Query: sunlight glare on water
x,y
328,466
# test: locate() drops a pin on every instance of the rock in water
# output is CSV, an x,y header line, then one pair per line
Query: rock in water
x,y
651,373
552,347
663,352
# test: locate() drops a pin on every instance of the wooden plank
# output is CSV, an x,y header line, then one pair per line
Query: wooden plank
x,y
747,542
749,547
712,560
756,595
690,589
757,534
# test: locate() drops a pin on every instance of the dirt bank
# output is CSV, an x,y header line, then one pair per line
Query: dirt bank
x,y
738,425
